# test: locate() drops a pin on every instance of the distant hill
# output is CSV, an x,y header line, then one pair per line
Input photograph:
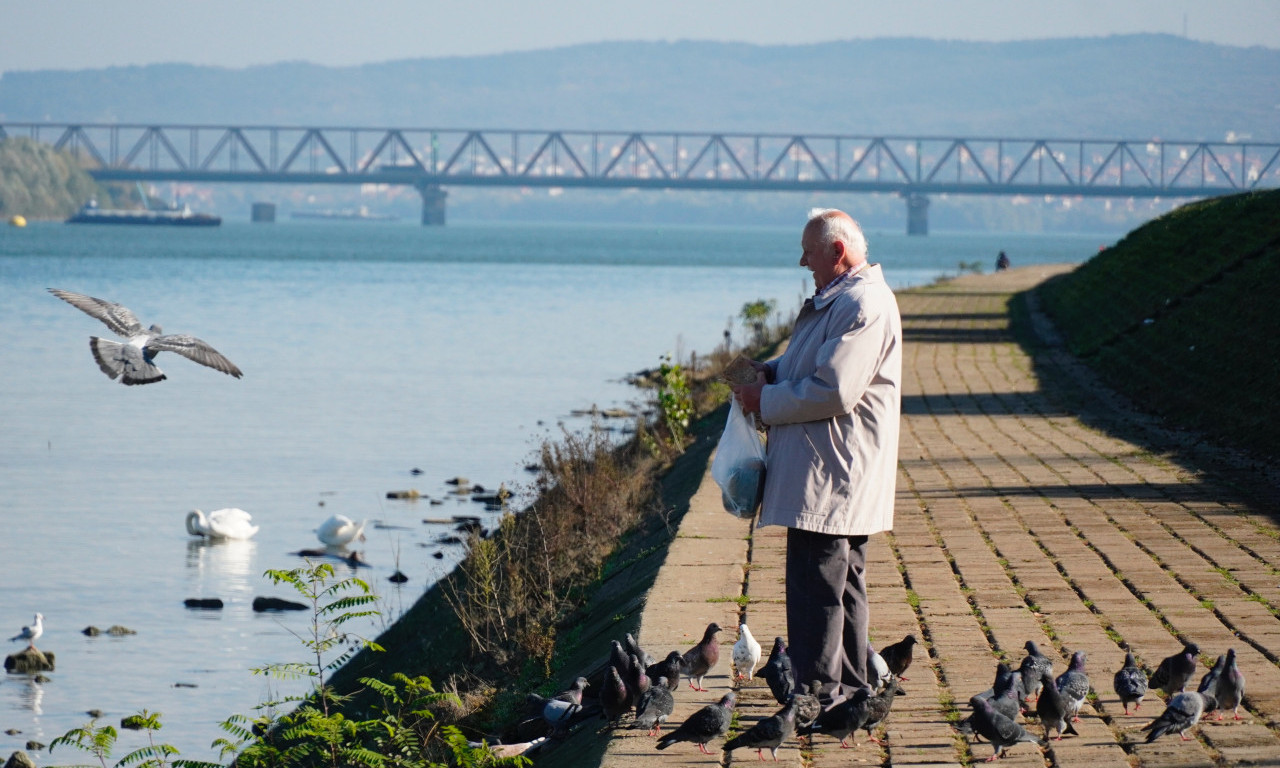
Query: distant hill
x,y
1133,86
39,182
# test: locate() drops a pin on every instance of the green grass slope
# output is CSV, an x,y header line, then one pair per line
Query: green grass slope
x,y
1181,317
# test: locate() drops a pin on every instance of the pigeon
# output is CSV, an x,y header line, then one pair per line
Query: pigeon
x,y
746,654
841,719
701,658
704,725
615,698
1229,690
808,706
619,658
559,710
878,709
31,633
131,362
630,645
1130,683
1175,671
877,669
1211,678
777,672
1033,665
1051,708
1005,697
998,729
1074,685
654,707
669,669
638,682
898,656
768,734
1182,713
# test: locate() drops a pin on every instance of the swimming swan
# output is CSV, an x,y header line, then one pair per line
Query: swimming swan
x,y
340,530
228,523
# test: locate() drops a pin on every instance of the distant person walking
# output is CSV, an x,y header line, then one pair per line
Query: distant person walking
x,y
832,403
1002,261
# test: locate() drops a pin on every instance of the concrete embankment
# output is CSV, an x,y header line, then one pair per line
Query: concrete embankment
x,y
1016,520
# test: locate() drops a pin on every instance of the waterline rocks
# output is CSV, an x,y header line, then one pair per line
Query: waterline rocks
x,y
29,660
261,604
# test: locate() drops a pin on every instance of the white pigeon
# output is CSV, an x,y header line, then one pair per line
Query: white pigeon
x,y
746,653
340,530
32,632
131,362
230,523
877,669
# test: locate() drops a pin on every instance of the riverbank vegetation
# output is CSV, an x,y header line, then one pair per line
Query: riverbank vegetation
x,y
1178,317
40,182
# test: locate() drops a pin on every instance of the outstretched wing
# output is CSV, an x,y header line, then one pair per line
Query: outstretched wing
x,y
194,349
119,319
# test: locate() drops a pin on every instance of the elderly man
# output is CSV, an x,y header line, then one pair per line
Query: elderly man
x,y
831,403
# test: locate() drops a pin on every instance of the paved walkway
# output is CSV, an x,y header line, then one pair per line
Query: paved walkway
x,y
1015,521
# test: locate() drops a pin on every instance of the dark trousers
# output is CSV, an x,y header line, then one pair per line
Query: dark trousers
x,y
827,617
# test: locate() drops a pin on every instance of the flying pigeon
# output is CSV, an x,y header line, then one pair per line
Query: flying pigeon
x,y
31,632
1074,685
877,669
808,706
704,725
777,672
998,729
878,709
701,658
1051,708
1175,671
746,654
841,719
669,669
630,645
131,362
1130,683
768,734
654,707
1229,689
898,656
1033,665
1182,713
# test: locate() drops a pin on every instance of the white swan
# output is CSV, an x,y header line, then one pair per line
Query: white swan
x,y
340,530
32,632
228,523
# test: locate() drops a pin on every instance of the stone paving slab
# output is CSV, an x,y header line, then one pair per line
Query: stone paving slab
x,y
1016,520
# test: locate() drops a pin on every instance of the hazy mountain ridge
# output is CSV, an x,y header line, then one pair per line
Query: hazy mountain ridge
x,y
1133,86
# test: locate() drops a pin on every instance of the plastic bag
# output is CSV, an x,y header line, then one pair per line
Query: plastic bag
x,y
738,467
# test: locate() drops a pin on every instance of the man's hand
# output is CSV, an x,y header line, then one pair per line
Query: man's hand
x,y
748,395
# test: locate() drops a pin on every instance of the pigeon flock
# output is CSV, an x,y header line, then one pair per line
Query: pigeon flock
x,y
635,686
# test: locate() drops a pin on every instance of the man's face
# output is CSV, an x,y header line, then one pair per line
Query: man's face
x,y
821,259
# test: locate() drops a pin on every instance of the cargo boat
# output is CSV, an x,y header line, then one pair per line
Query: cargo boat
x,y
175,217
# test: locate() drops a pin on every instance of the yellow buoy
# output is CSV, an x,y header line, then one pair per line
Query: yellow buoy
x,y
17,221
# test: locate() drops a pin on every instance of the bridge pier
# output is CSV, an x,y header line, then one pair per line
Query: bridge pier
x,y
917,213
433,206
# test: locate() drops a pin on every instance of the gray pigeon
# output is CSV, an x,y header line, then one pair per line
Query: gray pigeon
x,y
1033,665
1004,694
654,707
998,729
1074,685
560,710
768,734
630,645
841,719
638,682
808,707
878,709
704,725
1182,713
701,658
1229,691
615,698
1176,671
898,656
619,658
1130,683
1211,678
668,669
1051,708
131,362
777,672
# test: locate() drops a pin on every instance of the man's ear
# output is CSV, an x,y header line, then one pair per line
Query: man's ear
x,y
837,246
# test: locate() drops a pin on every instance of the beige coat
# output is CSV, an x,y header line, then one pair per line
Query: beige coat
x,y
833,413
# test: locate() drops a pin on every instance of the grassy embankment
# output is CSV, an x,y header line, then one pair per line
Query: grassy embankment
x,y
1179,316
39,182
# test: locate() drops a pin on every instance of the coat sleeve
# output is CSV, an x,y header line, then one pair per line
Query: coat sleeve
x,y
847,361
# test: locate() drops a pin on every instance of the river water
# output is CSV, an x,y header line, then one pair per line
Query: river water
x,y
368,351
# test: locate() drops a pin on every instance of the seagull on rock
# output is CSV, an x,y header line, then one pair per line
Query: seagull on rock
x,y
31,632
132,362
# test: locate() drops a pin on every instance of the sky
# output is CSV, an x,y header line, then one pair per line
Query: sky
x,y
89,34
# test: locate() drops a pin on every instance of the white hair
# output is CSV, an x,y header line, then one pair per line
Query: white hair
x,y
832,224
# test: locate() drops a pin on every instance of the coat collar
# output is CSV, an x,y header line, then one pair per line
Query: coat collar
x,y
870,272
